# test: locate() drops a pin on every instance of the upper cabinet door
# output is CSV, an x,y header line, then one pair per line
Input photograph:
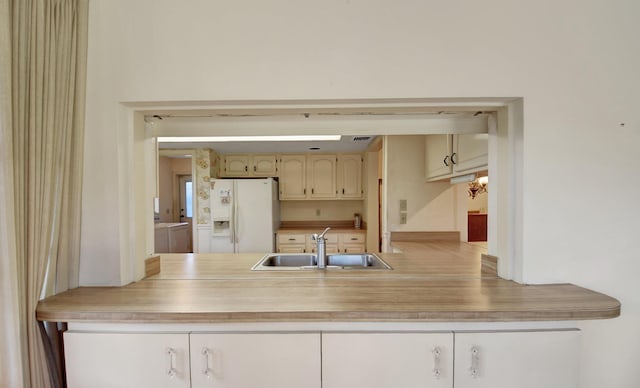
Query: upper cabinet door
x,y
239,360
438,151
546,359
322,176
471,152
387,360
350,176
264,165
236,165
293,177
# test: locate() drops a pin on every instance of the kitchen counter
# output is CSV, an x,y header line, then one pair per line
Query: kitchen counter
x,y
431,282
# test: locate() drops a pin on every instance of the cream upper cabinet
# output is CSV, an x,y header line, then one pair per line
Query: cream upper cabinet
x,y
293,173
350,176
387,360
264,165
230,360
471,152
250,165
438,150
236,165
322,176
447,156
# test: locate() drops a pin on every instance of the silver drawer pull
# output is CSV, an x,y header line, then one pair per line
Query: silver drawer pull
x,y
474,370
437,371
208,372
171,370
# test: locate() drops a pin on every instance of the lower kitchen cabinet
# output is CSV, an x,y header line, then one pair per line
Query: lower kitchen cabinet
x,y
530,359
387,360
247,360
454,359
119,360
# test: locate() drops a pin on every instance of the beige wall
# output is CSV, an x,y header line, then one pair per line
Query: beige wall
x,y
431,206
574,64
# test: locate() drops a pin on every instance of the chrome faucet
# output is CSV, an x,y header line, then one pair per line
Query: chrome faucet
x,y
322,248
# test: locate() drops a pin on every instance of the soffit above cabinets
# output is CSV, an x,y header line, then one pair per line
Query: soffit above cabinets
x,y
350,122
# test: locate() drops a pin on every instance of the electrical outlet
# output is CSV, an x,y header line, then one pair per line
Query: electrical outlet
x,y
403,218
403,205
317,212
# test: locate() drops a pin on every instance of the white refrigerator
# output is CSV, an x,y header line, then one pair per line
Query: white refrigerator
x,y
245,215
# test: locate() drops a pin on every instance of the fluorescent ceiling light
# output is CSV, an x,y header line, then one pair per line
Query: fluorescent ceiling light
x,y
463,179
215,139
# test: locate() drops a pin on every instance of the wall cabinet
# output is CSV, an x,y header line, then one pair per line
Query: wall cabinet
x,y
237,360
250,165
119,360
387,360
293,177
321,177
447,156
350,176
321,173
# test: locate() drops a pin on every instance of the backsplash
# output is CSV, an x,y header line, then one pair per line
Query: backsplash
x,y
206,167
328,210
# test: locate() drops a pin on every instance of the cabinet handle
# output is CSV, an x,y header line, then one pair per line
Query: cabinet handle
x,y
474,370
171,370
445,160
208,372
246,168
292,239
304,191
437,371
342,191
313,191
453,161
254,168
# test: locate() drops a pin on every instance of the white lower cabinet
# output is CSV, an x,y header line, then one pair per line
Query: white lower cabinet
x,y
288,360
387,360
125,360
535,359
452,359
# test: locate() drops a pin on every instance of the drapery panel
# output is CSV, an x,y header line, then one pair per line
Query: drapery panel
x,y
45,113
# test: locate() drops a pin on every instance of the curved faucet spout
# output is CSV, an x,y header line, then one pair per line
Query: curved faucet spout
x,y
325,232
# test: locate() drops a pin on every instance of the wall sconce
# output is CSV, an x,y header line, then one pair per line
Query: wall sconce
x,y
478,186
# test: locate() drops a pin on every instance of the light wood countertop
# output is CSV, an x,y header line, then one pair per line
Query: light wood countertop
x,y
430,282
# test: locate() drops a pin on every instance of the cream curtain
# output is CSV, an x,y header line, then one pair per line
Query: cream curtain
x,y
42,122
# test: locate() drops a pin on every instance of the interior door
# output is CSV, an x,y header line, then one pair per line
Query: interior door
x,y
186,204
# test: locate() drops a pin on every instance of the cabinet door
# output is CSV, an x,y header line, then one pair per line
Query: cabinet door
x,y
247,360
236,165
546,359
322,176
471,152
116,360
264,165
438,150
387,360
350,176
293,177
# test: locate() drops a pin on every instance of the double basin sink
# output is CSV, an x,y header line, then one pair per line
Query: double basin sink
x,y
302,261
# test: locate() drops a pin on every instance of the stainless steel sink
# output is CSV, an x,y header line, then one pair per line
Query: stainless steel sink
x,y
301,261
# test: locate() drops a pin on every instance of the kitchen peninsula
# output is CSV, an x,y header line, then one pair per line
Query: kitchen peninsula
x,y
200,307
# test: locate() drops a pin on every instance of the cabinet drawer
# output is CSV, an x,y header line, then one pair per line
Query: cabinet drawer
x,y
352,238
291,238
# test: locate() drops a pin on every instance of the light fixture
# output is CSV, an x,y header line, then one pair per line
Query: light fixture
x,y
215,139
478,186
463,179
